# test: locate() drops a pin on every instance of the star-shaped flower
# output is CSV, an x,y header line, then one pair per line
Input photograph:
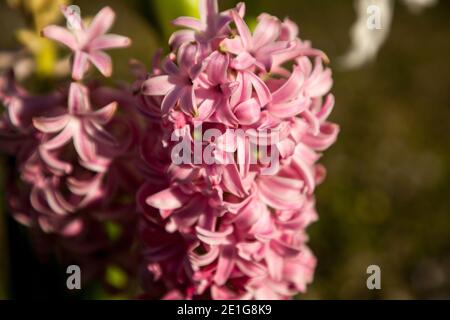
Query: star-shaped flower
x,y
88,42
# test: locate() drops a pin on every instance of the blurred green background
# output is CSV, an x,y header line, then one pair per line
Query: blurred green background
x,y
386,198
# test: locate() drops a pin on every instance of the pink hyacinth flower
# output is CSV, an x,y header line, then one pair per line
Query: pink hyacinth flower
x,y
80,124
88,42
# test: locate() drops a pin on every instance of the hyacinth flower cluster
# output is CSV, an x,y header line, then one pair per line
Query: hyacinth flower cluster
x,y
232,226
210,161
75,154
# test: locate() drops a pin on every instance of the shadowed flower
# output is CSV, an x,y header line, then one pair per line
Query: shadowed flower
x,y
80,124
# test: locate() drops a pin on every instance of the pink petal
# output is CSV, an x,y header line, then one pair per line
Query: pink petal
x,y
187,100
283,249
109,41
267,30
232,181
99,134
281,193
244,90
233,45
248,112
83,145
98,164
78,100
62,35
326,109
251,268
53,162
291,88
101,23
61,139
50,125
218,67
180,37
73,228
243,30
102,62
243,61
80,65
224,114
289,109
157,86
168,199
261,89
208,10
327,135
275,264
225,265
171,99
188,22
214,237
105,114
243,155
187,57
205,259
305,172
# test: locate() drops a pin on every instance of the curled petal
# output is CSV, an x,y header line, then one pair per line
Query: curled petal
x,y
291,88
324,139
260,87
84,146
54,163
105,114
289,109
51,125
180,37
205,259
326,109
281,193
61,139
214,238
188,22
248,112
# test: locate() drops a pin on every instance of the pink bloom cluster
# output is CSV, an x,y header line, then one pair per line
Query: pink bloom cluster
x,y
75,155
229,231
226,229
